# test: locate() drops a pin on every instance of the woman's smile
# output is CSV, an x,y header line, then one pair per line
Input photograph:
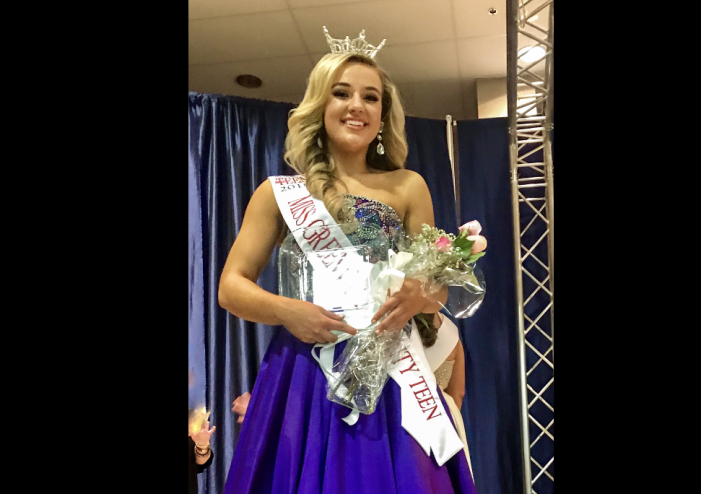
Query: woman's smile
x,y
354,124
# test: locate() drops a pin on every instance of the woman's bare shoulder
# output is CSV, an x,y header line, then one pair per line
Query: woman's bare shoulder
x,y
404,181
263,205
413,186
404,175
263,198
409,181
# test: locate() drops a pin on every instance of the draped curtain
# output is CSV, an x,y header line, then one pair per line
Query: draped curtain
x,y
234,145
489,337
428,156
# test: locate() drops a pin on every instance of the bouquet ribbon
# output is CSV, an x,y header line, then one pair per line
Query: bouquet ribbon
x,y
387,275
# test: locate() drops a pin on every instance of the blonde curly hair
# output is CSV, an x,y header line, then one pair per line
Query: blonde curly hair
x,y
306,126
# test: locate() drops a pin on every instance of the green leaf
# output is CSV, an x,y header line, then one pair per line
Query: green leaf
x,y
463,243
423,319
474,257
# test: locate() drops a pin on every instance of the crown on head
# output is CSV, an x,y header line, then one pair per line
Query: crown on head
x,y
358,45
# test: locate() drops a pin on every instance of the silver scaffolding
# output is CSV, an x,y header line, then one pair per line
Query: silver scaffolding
x,y
530,48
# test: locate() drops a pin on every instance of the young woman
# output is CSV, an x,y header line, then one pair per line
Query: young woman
x,y
293,439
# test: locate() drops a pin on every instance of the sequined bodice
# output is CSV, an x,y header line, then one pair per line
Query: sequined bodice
x,y
371,211
443,373
371,215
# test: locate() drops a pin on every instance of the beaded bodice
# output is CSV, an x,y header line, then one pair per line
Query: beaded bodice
x,y
443,373
371,214
371,211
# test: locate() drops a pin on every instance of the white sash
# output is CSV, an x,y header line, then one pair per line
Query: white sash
x,y
300,210
423,415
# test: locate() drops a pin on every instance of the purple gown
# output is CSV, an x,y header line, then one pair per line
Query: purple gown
x,y
294,441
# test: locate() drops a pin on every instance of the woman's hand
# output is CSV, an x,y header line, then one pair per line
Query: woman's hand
x,y
240,405
401,306
313,324
201,438
473,229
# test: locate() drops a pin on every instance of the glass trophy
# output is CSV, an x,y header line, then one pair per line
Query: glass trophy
x,y
335,269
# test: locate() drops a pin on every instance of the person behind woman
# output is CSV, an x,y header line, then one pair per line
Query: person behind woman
x,y
446,357
240,406
200,453
293,438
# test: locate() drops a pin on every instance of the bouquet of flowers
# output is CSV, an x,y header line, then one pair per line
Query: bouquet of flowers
x,y
443,259
363,368
437,259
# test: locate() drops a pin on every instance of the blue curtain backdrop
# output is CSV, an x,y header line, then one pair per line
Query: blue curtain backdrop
x,y
428,156
489,337
234,145
195,345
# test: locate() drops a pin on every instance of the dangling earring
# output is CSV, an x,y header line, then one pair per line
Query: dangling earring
x,y
380,147
319,143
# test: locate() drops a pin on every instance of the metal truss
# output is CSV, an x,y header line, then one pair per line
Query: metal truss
x,y
530,110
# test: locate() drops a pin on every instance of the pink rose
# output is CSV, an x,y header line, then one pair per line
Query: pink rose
x,y
443,244
473,227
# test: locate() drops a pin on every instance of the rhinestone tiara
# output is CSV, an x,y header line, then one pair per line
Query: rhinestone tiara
x,y
358,45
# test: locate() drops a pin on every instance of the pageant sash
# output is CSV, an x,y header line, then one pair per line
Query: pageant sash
x,y
300,210
423,415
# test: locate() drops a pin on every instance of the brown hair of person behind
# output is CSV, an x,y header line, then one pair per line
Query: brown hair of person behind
x,y
427,330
